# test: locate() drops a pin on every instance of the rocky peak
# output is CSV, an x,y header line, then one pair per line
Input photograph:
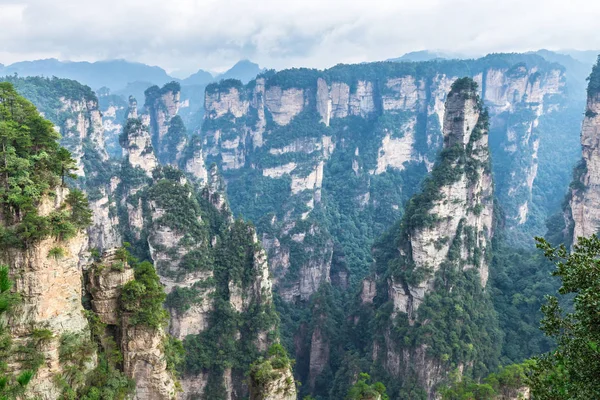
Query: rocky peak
x,y
106,278
455,209
217,189
271,377
462,113
132,112
141,343
584,202
166,128
443,239
194,160
137,146
81,127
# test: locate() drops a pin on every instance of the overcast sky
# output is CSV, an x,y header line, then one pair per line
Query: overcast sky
x,y
186,35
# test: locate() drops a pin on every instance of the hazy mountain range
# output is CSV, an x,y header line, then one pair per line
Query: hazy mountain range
x,y
122,75
125,77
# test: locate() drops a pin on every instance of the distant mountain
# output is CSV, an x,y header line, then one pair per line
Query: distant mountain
x,y
135,89
577,70
244,70
122,76
585,56
115,74
428,55
201,77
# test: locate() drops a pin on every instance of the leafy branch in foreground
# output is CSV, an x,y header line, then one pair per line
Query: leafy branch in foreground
x,y
571,371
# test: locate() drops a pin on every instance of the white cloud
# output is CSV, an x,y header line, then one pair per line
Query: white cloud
x,y
213,34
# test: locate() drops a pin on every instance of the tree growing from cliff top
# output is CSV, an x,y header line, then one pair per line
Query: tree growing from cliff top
x,y
32,165
594,80
572,370
363,390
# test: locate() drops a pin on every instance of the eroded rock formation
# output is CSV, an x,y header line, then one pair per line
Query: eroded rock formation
x,y
583,212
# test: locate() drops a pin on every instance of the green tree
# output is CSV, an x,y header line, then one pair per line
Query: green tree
x,y
572,370
362,390
143,297
66,163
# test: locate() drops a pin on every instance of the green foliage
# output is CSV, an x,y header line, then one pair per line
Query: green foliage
x,y
181,299
571,370
81,215
7,299
508,382
56,253
42,335
174,354
143,298
153,93
266,370
519,280
217,348
45,93
362,390
224,86
32,163
467,85
594,80
105,382
181,209
27,355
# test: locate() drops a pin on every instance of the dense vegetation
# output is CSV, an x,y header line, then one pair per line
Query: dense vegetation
x,y
267,370
34,170
508,382
362,390
33,167
518,278
45,93
594,80
230,340
357,206
571,370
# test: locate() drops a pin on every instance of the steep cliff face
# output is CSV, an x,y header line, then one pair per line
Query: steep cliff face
x,y
82,126
80,118
520,99
215,293
441,249
350,144
42,247
458,212
166,127
141,343
583,211
104,231
137,145
144,362
51,291
82,131
114,109
215,272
